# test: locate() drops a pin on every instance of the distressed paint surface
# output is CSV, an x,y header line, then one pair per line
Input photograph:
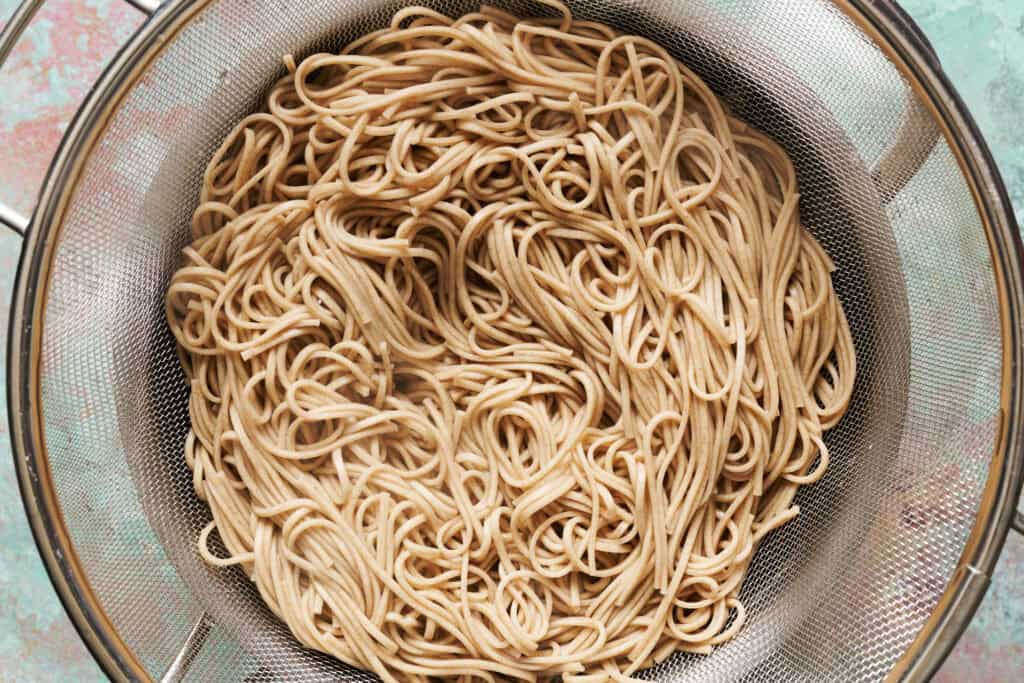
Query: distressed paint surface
x,y
981,45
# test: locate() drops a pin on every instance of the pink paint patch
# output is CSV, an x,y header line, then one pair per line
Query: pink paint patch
x,y
27,152
48,74
975,660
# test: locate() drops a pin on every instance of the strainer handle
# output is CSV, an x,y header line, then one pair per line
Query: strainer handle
x,y
918,134
1018,522
12,31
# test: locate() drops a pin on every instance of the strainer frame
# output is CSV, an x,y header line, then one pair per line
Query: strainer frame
x,y
882,20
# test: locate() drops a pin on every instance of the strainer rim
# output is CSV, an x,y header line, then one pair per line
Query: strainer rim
x,y
966,588
892,31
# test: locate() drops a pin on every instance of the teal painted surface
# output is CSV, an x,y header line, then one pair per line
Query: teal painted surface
x,y
981,45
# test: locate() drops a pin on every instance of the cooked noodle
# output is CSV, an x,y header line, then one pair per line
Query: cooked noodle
x,y
506,348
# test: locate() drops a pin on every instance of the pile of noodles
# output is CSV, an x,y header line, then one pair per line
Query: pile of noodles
x,y
506,347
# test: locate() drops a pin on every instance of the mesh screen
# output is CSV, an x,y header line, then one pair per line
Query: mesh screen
x,y
836,595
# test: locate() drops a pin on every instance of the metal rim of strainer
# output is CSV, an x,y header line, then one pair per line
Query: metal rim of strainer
x,y
881,20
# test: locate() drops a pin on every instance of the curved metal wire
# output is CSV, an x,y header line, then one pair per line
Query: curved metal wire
x,y
13,221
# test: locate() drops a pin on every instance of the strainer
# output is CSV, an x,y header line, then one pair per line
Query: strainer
x,y
893,549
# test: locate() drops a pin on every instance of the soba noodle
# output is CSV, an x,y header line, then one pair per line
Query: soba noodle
x,y
506,347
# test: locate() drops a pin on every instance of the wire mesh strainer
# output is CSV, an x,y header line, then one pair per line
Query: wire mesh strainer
x,y
892,551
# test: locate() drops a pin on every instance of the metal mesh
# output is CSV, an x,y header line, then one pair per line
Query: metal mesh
x,y
838,594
